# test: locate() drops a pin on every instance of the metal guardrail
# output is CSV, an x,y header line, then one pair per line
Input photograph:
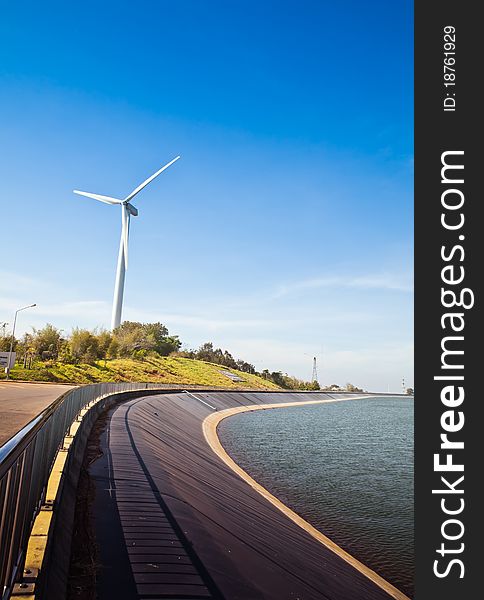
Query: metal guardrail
x,y
26,461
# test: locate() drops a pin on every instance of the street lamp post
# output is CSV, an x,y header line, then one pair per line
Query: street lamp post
x,y
13,337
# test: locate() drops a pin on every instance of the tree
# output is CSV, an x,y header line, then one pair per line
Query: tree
x,y
164,343
5,343
113,350
218,356
228,360
24,348
278,378
64,354
170,344
205,352
104,340
45,342
352,388
131,336
409,392
84,346
245,367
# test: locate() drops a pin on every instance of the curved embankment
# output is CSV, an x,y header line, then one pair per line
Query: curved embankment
x,y
174,516
210,425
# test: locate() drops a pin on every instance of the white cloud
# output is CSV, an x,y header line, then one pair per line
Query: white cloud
x,y
13,282
208,323
384,281
96,309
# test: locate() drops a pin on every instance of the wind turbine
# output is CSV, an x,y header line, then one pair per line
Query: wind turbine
x,y
127,211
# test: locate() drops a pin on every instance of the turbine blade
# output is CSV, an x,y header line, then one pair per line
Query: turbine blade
x,y
105,199
125,234
149,180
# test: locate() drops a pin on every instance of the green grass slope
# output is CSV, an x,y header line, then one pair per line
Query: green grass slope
x,y
164,370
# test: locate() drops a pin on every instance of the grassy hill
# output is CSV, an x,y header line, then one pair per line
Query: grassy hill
x,y
167,370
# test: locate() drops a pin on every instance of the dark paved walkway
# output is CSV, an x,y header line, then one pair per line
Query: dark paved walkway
x,y
152,557
173,521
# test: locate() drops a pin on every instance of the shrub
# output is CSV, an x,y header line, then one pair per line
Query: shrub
x,y
84,346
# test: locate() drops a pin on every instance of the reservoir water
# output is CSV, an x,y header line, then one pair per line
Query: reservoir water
x,y
346,467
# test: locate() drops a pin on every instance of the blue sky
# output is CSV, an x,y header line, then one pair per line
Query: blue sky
x,y
286,227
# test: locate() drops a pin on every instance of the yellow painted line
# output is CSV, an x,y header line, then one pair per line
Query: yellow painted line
x,y
40,531
210,425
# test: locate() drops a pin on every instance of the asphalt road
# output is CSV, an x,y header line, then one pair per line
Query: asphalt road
x,y
21,402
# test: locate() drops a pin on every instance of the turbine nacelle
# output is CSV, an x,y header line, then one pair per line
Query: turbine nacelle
x,y
131,209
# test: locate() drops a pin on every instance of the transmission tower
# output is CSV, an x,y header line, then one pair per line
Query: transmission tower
x,y
314,377
403,385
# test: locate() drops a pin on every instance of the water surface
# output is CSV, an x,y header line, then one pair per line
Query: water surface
x,y
346,467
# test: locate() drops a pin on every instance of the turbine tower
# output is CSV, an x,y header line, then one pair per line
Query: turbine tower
x,y
127,211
